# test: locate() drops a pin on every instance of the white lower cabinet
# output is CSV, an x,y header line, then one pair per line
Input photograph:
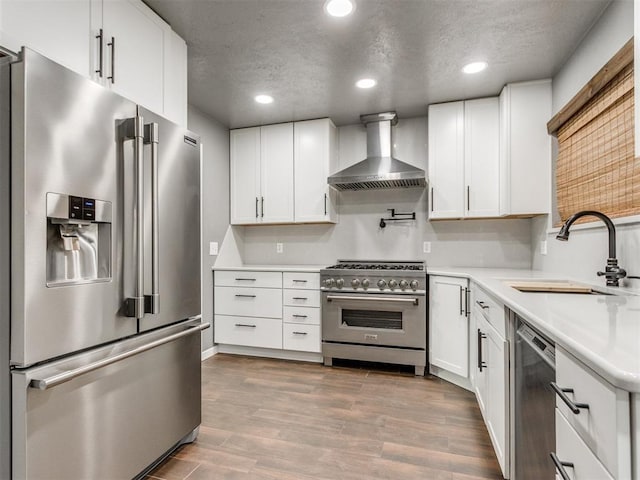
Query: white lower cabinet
x,y
249,331
252,309
577,460
449,324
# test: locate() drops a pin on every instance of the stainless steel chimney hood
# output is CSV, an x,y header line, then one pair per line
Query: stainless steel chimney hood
x,y
379,169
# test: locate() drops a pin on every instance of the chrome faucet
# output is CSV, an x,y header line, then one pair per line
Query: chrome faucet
x,y
612,271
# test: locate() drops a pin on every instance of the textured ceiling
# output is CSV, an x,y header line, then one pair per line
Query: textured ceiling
x,y
309,62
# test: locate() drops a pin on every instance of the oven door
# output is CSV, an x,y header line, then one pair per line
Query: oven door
x,y
375,319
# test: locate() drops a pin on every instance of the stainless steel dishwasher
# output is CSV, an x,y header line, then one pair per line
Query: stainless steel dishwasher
x,y
535,436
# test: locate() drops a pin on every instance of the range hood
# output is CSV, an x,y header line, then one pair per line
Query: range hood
x,y
379,169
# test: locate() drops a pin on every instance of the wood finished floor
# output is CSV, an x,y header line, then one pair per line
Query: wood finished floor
x,y
266,419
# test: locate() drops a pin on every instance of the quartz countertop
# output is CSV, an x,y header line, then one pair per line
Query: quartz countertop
x,y
273,268
603,331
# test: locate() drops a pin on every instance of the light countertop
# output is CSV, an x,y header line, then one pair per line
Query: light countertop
x,y
274,268
603,331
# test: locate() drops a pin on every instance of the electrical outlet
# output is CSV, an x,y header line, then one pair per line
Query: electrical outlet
x,y
213,248
426,247
279,248
543,247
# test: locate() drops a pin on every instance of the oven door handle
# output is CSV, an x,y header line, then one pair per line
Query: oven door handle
x,y
367,298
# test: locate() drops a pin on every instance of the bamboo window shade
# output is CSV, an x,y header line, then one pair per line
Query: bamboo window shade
x,y
596,165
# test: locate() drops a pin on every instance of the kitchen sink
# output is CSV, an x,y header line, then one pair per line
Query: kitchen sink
x,y
555,286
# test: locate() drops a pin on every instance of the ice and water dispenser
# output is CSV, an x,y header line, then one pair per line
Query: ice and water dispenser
x,y
78,240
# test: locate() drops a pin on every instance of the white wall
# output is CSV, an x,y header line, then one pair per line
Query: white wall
x,y
586,251
496,243
215,201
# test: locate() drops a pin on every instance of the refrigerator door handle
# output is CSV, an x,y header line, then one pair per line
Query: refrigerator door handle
x,y
152,301
134,130
55,380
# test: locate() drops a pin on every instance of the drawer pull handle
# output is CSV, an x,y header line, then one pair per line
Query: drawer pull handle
x,y
560,466
245,296
299,281
300,298
299,333
482,305
245,279
299,316
573,406
245,325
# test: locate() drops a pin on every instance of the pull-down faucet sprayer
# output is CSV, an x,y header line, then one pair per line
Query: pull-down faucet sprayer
x,y
612,271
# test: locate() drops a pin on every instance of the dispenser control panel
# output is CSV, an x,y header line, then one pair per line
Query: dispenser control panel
x,y
82,208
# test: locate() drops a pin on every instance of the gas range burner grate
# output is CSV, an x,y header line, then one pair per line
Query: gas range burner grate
x,y
376,266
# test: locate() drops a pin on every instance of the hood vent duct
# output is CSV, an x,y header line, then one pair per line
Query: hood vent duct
x,y
379,169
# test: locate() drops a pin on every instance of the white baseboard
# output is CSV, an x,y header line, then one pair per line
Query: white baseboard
x,y
451,377
271,353
209,352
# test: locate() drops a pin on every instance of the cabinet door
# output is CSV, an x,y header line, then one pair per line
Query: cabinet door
x,y
446,160
314,152
134,49
449,325
175,78
481,157
496,404
245,175
479,362
59,30
276,173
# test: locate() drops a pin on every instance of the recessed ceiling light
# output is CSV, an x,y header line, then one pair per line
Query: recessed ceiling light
x,y
474,67
339,8
264,99
366,83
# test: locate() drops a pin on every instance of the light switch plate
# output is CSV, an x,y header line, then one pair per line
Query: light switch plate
x,y
279,247
213,248
543,247
426,247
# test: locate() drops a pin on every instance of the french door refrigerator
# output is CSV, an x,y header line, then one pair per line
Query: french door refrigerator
x,y
100,278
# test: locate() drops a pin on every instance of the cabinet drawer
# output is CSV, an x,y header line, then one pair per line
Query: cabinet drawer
x,y
306,315
305,338
248,302
302,298
248,331
491,309
244,278
605,425
307,281
570,448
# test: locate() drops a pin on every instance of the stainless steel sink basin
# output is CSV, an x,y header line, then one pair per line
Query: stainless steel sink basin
x,y
554,286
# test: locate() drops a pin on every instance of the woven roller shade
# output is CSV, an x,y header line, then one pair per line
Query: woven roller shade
x,y
596,167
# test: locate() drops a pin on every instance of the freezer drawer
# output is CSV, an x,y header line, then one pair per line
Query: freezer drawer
x,y
111,422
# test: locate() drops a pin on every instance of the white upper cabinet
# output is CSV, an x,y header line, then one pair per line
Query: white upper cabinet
x,y
525,148
276,173
314,160
292,161
446,160
245,175
481,157
132,52
464,159
121,44
262,174
59,30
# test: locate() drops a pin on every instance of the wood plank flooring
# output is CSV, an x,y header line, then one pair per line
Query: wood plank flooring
x,y
266,419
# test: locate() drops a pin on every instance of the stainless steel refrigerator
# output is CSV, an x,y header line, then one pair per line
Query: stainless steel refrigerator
x,y
99,280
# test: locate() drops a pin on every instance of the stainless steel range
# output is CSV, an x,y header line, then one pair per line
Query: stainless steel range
x,y
375,311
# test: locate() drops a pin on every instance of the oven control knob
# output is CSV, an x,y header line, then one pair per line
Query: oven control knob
x,y
339,283
355,283
414,284
403,284
381,284
365,283
393,284
329,282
